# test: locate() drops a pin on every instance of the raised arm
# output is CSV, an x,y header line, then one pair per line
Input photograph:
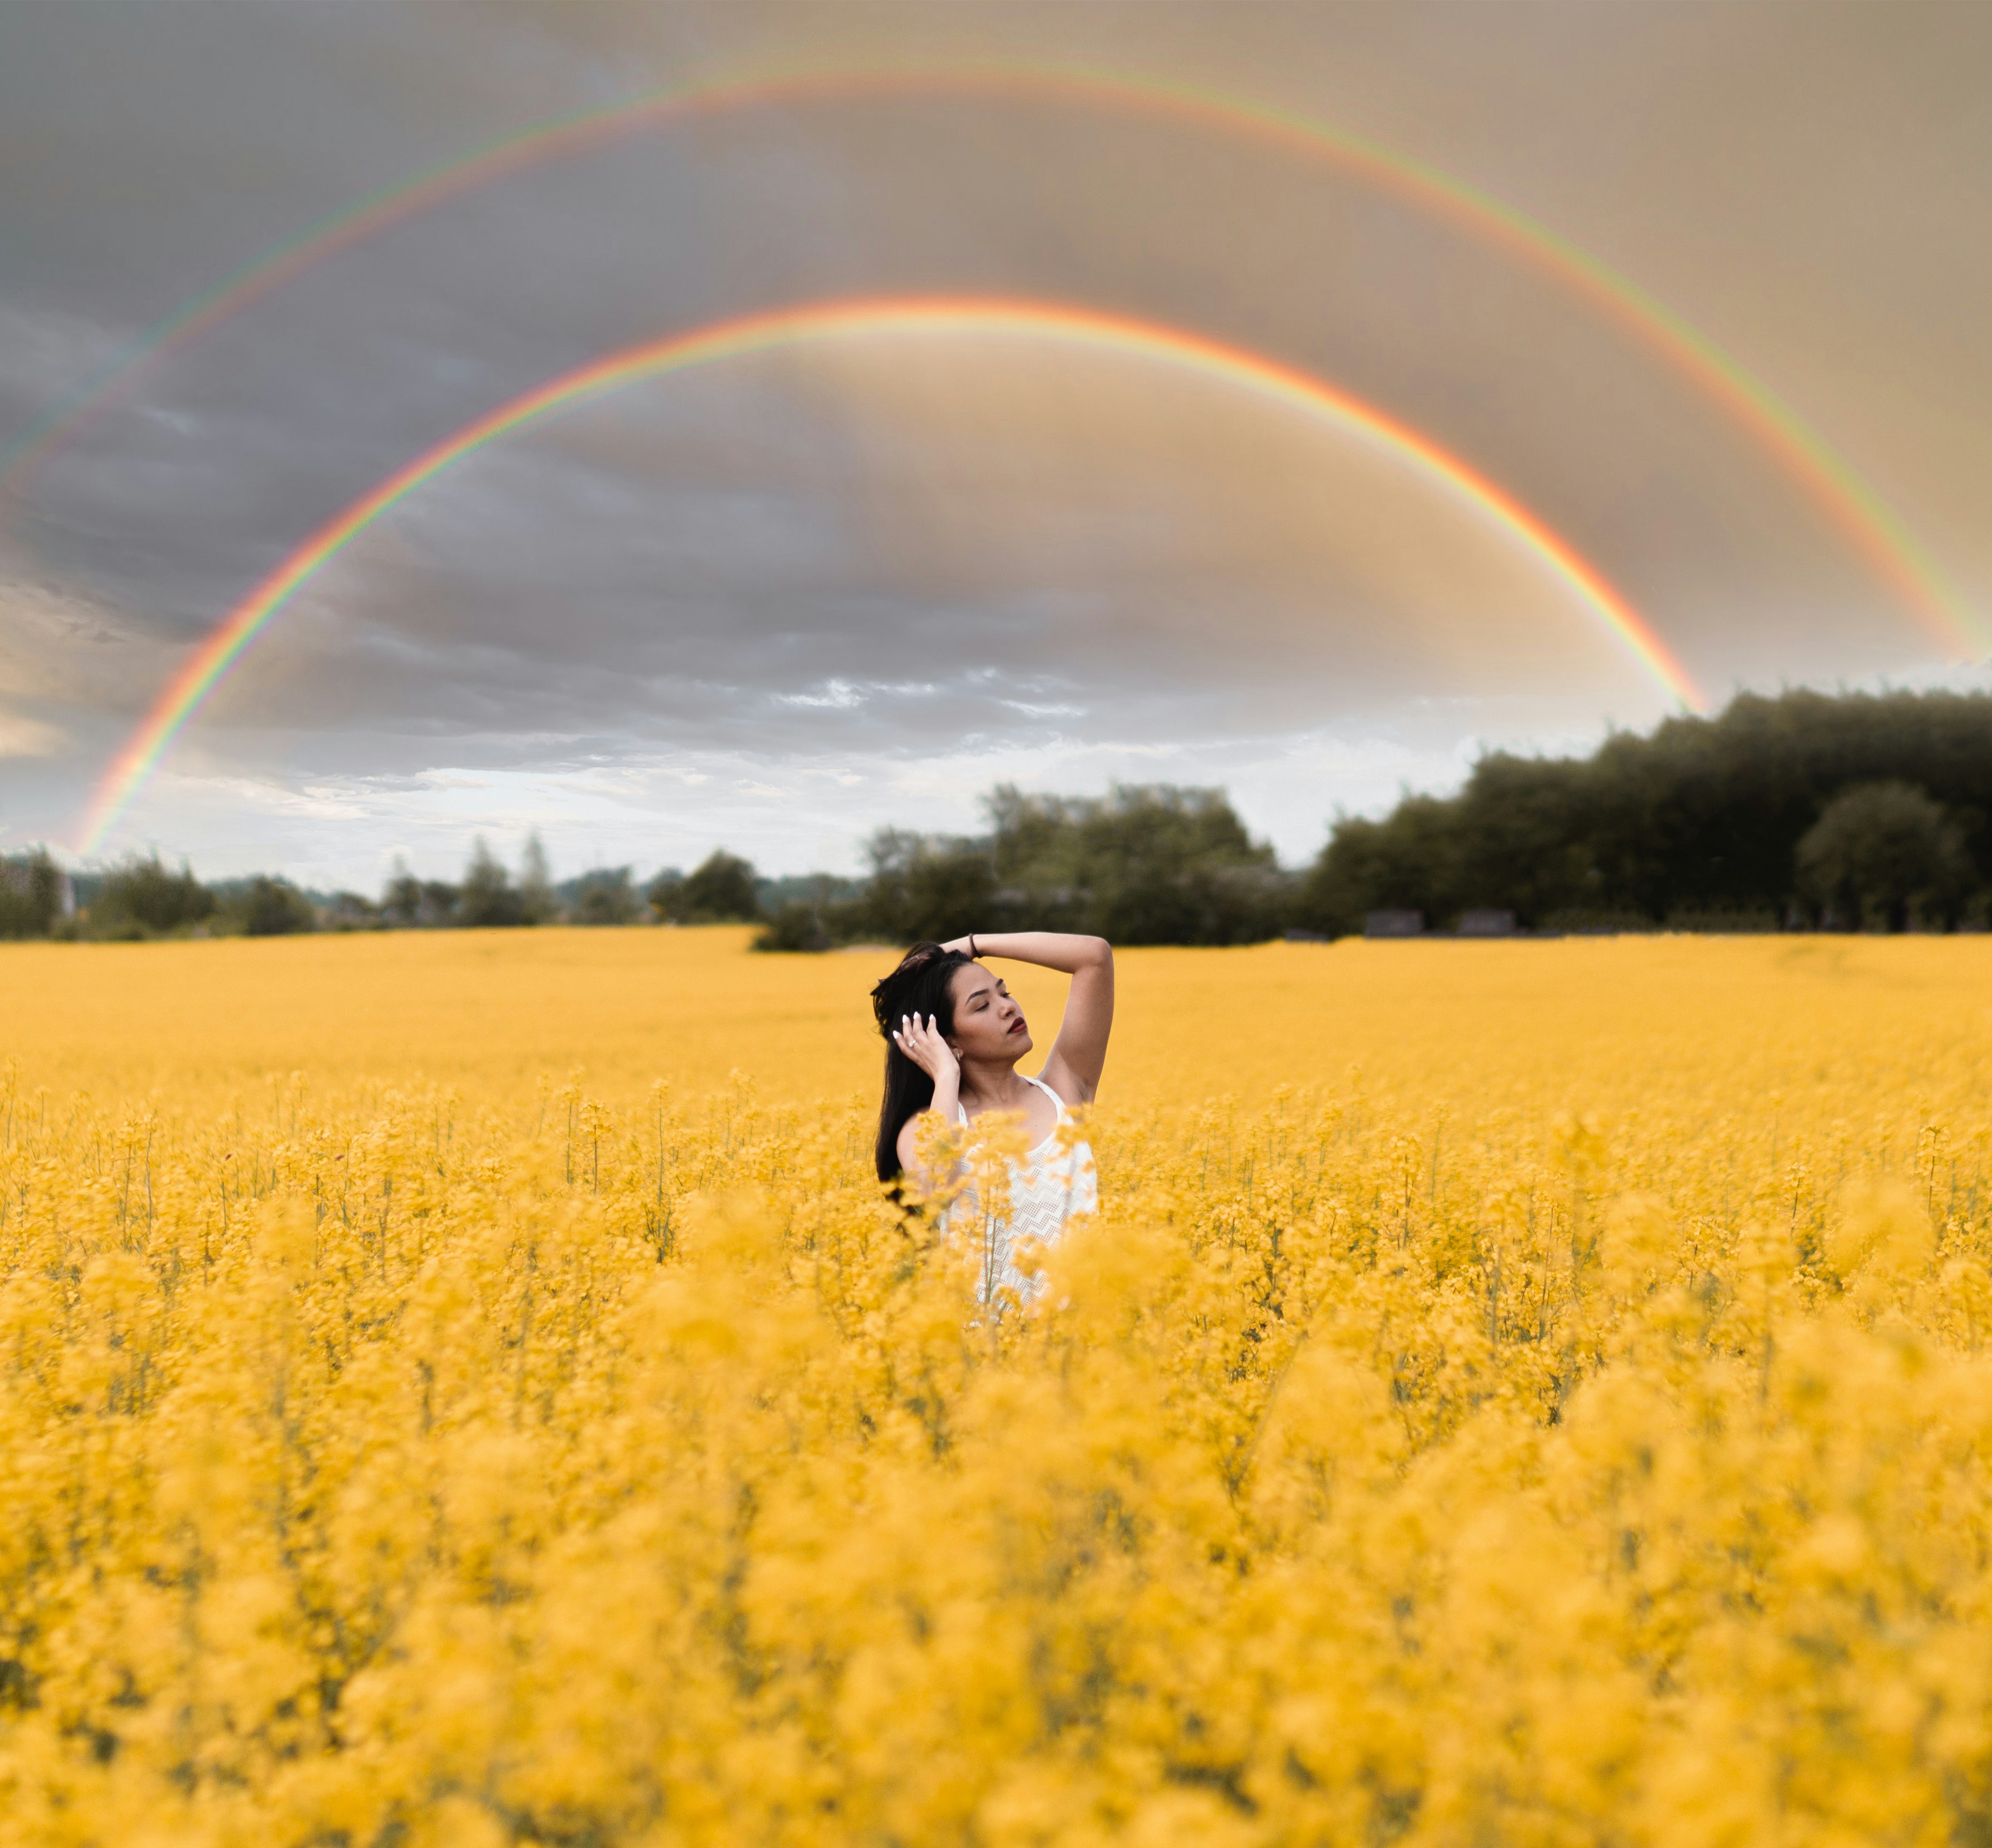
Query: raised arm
x,y
1079,1055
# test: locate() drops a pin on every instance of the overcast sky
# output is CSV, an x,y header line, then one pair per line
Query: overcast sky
x,y
778,600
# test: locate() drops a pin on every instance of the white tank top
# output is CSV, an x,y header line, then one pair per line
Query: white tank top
x,y
1047,1188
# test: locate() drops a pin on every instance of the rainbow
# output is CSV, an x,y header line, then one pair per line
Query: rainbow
x,y
1861,517
754,333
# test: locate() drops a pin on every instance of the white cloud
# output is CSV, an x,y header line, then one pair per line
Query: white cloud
x,y
837,695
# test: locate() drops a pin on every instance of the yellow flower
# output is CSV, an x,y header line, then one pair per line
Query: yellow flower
x,y
1576,1428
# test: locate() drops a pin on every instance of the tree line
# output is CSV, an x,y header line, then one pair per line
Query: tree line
x,y
1804,811
1148,863
1142,865
143,898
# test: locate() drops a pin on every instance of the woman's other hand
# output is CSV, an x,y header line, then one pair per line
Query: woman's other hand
x,y
922,1044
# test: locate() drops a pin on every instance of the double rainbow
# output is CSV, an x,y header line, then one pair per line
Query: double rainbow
x,y
1859,514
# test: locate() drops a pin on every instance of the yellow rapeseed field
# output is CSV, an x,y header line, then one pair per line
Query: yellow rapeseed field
x,y
467,1389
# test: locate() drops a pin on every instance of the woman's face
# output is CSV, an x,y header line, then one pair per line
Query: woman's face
x,y
988,1024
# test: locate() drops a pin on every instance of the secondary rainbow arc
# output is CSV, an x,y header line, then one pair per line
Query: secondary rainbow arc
x,y
210,662
1861,515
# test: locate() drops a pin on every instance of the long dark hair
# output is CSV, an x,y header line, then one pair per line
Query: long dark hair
x,y
921,984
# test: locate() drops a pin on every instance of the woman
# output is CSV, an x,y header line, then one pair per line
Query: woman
x,y
954,1035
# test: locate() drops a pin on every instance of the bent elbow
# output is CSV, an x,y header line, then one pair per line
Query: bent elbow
x,y
1100,952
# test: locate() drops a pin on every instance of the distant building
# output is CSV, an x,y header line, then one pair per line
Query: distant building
x,y
1487,923
1394,924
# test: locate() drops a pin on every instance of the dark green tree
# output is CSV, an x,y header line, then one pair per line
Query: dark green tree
x,y
661,894
926,888
488,900
141,899
719,890
275,907
1143,864
809,911
605,896
1883,856
31,887
797,925
408,903
1147,863
352,911
536,902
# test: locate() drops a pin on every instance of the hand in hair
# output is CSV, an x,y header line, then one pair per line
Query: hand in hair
x,y
922,1044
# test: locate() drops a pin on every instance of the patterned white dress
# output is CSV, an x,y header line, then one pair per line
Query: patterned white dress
x,y
1047,1188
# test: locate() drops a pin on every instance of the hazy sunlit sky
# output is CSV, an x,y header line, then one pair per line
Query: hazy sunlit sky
x,y
777,599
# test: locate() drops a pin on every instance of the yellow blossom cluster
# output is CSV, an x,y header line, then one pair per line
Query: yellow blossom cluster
x,y
1573,1440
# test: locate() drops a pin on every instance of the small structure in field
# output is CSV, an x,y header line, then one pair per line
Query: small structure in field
x,y
1486,923
1394,924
